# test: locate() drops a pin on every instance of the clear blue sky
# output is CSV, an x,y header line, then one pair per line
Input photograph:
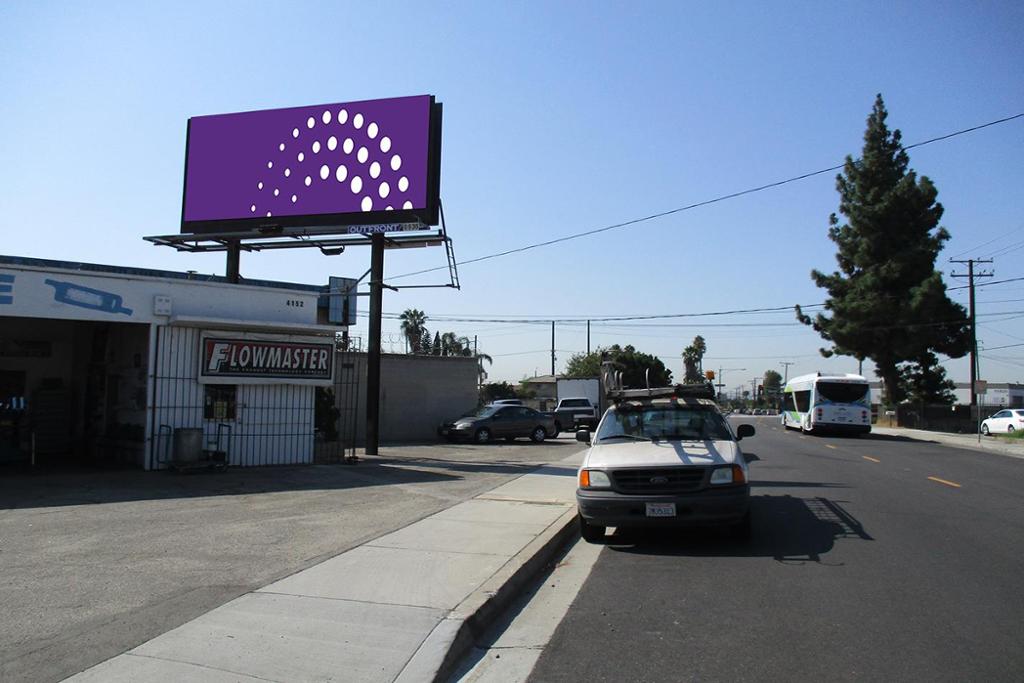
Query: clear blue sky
x,y
559,118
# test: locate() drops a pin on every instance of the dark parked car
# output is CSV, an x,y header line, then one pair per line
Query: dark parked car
x,y
499,422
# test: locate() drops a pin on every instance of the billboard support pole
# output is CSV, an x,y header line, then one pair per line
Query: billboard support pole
x,y
373,348
234,259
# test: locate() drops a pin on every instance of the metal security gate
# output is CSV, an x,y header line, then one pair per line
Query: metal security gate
x,y
253,424
338,410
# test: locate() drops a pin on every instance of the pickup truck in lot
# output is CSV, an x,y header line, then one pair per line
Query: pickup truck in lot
x,y
572,413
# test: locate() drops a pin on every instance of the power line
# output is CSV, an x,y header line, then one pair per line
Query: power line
x,y
985,244
583,320
688,207
1009,249
987,284
996,348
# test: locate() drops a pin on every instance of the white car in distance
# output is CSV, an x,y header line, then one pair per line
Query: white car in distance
x,y
1004,422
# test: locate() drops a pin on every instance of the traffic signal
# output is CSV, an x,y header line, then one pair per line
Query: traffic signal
x,y
710,374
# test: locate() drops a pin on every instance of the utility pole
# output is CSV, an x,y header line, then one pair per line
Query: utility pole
x,y
552,348
373,346
974,325
786,364
588,337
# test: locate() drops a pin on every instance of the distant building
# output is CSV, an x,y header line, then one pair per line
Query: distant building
x,y
999,394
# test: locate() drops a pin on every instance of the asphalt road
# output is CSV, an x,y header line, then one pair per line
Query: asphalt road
x,y
93,563
872,559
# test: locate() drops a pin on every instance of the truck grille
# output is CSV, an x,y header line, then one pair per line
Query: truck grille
x,y
659,480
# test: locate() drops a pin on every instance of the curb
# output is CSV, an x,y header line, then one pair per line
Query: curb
x,y
440,653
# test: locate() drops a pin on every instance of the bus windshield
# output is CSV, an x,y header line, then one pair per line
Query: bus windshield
x,y
842,392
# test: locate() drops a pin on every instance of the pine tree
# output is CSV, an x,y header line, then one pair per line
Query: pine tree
x,y
925,382
425,347
887,302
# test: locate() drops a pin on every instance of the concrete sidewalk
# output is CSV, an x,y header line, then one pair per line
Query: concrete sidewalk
x,y
403,607
988,444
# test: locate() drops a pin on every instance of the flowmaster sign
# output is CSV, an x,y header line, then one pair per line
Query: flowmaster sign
x,y
246,361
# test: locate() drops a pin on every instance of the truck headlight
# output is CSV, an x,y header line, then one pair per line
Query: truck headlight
x,y
728,475
594,479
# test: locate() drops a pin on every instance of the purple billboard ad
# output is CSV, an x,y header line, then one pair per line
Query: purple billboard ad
x,y
343,164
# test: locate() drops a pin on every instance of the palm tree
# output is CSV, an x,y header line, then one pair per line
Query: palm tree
x,y
451,344
481,373
413,325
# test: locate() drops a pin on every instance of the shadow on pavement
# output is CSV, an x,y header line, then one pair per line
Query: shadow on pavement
x,y
52,489
797,484
786,528
892,437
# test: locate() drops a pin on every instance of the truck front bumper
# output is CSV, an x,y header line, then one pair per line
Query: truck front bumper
x,y
727,505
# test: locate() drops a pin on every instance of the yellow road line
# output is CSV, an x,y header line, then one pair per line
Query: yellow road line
x,y
947,483
868,457
828,445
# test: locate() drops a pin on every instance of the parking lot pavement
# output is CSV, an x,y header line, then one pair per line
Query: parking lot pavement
x,y
97,562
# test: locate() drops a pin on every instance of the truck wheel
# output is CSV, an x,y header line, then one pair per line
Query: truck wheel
x,y
483,435
558,427
538,434
591,533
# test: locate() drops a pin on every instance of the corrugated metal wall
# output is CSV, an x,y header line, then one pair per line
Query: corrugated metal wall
x,y
273,423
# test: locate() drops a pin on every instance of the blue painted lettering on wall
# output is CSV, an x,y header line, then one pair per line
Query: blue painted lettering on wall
x,y
6,288
86,297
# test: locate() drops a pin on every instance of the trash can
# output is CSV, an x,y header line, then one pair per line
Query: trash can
x,y
188,444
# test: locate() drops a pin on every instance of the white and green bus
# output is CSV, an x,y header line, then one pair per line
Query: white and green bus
x,y
819,403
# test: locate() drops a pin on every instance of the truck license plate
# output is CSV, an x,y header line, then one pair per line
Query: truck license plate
x,y
661,509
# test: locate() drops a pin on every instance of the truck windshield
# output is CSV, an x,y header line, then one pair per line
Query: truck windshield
x,y
664,423
575,403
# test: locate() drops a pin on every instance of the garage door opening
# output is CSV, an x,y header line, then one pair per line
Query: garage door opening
x,y
72,392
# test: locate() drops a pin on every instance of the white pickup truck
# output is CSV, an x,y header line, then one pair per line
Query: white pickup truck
x,y
572,413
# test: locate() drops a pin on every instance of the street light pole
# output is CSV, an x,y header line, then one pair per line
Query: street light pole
x,y
721,379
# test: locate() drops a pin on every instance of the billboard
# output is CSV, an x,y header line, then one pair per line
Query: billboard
x,y
375,162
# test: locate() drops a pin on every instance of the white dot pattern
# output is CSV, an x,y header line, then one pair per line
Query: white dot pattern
x,y
360,146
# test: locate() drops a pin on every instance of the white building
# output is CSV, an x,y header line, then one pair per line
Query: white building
x,y
120,364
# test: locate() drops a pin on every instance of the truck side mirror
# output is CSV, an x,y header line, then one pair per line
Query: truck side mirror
x,y
583,435
744,430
